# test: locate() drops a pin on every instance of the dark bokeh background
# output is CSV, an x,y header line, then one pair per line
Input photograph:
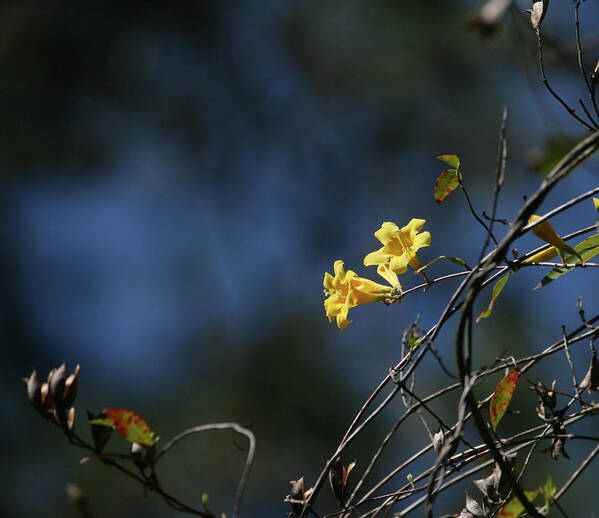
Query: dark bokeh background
x,y
176,178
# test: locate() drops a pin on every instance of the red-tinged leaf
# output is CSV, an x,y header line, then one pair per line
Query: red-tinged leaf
x,y
496,291
502,396
447,182
514,507
129,424
452,160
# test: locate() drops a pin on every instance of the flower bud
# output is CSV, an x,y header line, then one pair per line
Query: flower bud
x,y
71,419
70,387
57,382
34,393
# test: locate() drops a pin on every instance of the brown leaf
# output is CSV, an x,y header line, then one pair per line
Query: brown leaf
x,y
591,380
539,10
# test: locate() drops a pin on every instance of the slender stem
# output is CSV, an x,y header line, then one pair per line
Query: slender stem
x,y
221,426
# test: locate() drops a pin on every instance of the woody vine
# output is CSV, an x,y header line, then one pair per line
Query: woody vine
x,y
496,464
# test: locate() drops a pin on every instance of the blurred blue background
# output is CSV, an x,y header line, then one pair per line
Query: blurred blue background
x,y
178,177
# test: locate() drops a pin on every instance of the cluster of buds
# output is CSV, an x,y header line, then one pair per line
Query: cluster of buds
x,y
54,398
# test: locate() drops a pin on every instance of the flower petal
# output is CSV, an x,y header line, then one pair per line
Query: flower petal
x,y
328,281
387,232
399,264
378,257
415,225
385,271
421,240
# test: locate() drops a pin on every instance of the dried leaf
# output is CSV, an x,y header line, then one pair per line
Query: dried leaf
x,y
539,10
591,380
473,507
129,424
502,396
496,291
557,443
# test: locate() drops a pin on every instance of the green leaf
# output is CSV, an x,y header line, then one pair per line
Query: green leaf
x,y
587,249
548,491
447,182
129,424
413,342
496,291
452,160
455,260
514,508
502,396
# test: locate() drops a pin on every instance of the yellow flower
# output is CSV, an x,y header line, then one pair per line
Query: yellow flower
x,y
596,204
399,245
346,290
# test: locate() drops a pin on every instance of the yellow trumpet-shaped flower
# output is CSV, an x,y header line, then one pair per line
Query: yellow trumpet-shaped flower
x,y
399,245
346,290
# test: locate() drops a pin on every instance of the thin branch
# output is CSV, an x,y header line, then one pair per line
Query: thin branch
x,y
499,177
570,110
221,426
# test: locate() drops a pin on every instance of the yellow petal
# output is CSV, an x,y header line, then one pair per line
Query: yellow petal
x,y
414,262
414,226
378,257
338,268
596,203
385,271
421,240
342,321
399,264
328,281
388,232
